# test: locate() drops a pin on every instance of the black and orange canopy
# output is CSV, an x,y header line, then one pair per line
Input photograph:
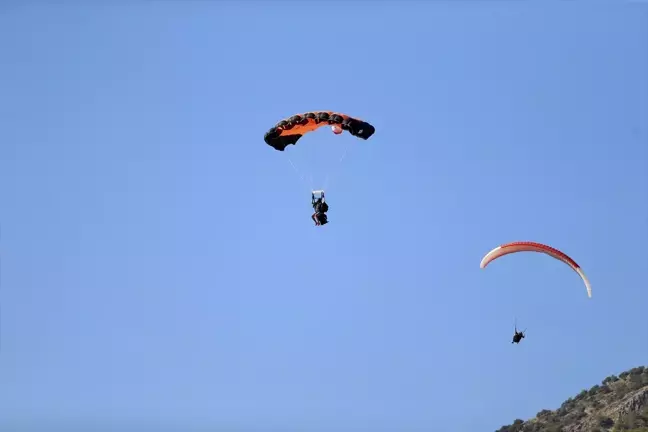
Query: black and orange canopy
x,y
290,130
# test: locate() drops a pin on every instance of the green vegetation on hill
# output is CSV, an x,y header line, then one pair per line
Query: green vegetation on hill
x,y
618,404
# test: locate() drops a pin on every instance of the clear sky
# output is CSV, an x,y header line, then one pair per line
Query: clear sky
x,y
159,263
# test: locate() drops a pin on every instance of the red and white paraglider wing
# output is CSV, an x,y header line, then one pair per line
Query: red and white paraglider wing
x,y
515,247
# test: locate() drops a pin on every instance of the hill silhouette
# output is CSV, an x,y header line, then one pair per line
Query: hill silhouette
x,y
618,404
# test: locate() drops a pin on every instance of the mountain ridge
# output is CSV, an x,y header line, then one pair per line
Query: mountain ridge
x,y
618,404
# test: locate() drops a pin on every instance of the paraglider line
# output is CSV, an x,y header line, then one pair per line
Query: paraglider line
x,y
326,181
299,174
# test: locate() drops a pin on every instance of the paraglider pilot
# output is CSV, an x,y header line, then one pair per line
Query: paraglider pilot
x,y
518,336
321,207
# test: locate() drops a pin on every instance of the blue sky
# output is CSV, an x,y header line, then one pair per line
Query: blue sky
x,y
159,263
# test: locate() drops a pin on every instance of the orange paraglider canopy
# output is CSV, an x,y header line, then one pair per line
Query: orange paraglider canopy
x,y
290,130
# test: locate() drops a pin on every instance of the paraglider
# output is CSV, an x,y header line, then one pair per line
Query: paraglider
x,y
321,207
290,130
526,246
518,336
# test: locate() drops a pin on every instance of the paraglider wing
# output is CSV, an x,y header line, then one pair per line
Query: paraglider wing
x,y
514,247
290,130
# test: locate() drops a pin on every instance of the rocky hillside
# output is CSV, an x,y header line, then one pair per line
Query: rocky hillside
x,y
619,403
